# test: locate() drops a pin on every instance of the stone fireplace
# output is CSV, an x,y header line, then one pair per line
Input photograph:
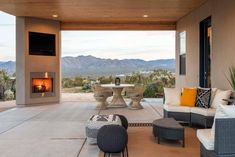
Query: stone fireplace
x,y
42,84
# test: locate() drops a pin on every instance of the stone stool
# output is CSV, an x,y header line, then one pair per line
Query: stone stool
x,y
95,122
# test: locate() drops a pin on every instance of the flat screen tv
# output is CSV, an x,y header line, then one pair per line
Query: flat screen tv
x,y
42,44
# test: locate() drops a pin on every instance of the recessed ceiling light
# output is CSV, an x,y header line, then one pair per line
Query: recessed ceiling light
x,y
55,15
145,15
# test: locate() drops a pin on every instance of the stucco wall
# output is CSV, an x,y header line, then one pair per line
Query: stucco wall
x,y
30,63
223,43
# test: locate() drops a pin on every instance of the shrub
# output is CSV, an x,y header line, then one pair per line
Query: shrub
x,y
8,95
105,80
78,82
67,83
231,78
86,87
150,90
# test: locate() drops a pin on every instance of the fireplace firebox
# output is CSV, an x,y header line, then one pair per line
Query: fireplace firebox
x,y
42,84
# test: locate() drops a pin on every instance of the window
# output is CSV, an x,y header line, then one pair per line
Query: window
x,y
182,49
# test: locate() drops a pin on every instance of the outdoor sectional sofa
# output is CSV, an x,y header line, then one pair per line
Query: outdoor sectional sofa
x,y
193,115
219,141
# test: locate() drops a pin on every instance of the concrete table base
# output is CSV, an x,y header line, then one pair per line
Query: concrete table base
x,y
117,100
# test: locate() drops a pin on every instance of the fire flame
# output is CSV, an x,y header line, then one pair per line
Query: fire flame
x,y
42,84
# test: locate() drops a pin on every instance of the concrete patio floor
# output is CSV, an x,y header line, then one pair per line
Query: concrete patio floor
x,y
58,130
5,105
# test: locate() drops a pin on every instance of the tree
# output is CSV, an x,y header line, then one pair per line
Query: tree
x,y
78,81
5,82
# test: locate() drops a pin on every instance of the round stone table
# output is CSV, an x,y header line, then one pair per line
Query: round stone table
x,y
117,100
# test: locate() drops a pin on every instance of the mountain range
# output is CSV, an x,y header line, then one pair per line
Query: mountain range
x,y
9,66
93,66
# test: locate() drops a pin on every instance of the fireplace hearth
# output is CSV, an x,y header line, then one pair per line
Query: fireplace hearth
x,y
42,84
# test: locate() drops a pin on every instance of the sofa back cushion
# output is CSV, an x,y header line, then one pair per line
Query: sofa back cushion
x,y
172,96
213,92
188,97
223,111
203,97
219,96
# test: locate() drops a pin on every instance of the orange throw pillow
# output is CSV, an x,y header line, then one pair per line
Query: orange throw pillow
x,y
188,97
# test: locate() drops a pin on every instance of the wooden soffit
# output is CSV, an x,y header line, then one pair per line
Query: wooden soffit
x,y
105,14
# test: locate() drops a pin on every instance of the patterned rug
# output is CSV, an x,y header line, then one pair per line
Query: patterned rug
x,y
141,143
146,115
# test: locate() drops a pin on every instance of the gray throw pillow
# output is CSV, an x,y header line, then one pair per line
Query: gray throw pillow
x,y
203,97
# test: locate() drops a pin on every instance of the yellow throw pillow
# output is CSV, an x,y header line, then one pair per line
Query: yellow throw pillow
x,y
188,97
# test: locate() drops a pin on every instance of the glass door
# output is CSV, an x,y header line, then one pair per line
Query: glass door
x,y
205,52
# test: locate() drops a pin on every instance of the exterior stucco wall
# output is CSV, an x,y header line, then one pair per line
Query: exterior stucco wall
x,y
223,43
32,63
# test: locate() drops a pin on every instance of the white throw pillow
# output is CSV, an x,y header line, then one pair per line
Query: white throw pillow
x,y
213,92
172,96
223,111
219,96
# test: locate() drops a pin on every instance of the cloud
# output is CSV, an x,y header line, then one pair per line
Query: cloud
x,y
6,57
2,44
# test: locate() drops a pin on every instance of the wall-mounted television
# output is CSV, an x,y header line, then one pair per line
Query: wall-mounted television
x,y
42,44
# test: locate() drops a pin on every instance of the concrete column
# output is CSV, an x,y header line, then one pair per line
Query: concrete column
x,y
25,63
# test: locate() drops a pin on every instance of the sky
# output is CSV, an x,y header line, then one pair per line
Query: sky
x,y
7,37
146,45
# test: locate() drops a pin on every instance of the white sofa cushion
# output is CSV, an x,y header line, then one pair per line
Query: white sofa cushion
x,y
172,96
223,111
203,111
219,96
206,138
174,108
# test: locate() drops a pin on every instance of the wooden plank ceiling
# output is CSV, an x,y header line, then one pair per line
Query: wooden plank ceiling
x,y
105,14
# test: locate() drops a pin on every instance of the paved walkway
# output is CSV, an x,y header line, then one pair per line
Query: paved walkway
x,y
5,105
57,130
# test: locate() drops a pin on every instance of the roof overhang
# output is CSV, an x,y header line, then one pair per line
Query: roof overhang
x,y
105,14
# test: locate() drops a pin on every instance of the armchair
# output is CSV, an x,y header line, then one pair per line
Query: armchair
x,y
136,95
101,94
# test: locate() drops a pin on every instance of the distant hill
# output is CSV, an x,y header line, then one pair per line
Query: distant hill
x,y
92,66
9,66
